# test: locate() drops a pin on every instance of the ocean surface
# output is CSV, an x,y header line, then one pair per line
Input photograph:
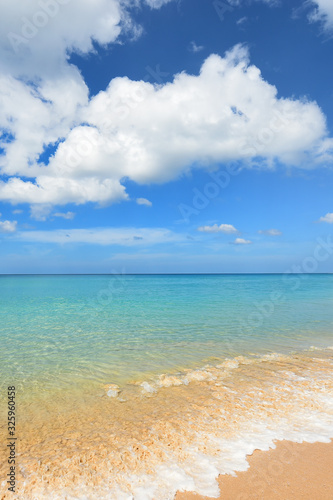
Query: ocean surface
x,y
136,386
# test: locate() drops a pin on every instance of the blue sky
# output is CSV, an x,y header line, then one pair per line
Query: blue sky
x,y
166,136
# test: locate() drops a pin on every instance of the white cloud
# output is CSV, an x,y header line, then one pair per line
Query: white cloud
x,y
41,94
195,48
241,21
270,232
17,211
62,190
35,117
323,13
144,201
36,36
222,228
241,241
7,226
67,215
227,112
327,218
103,236
156,4
40,212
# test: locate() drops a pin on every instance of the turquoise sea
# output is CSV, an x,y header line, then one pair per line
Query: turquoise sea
x,y
57,330
136,386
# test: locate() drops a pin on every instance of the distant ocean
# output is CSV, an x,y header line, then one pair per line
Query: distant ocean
x,y
135,386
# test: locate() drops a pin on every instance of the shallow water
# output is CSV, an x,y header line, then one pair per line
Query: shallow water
x,y
207,368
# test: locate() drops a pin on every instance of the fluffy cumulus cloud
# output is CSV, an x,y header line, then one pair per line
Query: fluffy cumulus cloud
x,y
7,226
32,117
323,12
58,146
222,228
327,218
37,36
242,241
270,232
41,94
62,190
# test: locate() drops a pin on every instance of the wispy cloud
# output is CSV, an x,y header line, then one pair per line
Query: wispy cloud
x,y
193,47
323,12
103,236
144,201
67,215
270,232
40,212
241,21
222,228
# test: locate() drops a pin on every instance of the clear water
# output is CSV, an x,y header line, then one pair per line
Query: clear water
x,y
60,330
208,369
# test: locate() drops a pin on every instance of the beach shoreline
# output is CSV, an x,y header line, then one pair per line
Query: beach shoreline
x,y
291,471
176,433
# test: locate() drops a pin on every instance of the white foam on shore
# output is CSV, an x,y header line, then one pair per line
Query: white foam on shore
x,y
200,471
303,413
146,387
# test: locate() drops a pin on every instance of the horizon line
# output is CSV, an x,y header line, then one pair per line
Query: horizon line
x,y
160,274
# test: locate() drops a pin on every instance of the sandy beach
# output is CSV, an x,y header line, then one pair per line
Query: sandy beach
x,y
291,471
178,433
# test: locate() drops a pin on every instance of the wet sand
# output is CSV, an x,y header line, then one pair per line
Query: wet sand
x,y
291,471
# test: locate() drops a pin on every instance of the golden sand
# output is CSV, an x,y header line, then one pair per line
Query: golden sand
x,y
291,471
